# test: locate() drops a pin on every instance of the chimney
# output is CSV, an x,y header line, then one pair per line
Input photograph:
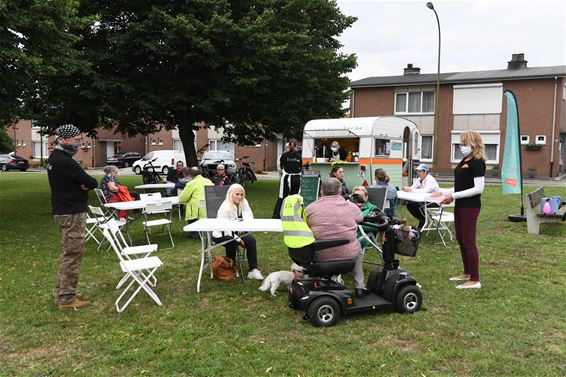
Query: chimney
x,y
410,70
517,62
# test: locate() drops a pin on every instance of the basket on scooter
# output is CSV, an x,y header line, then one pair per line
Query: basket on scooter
x,y
407,242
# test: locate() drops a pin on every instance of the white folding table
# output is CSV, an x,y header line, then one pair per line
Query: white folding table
x,y
419,197
140,204
205,227
151,186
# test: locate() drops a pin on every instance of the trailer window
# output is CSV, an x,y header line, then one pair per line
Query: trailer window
x,y
382,147
349,145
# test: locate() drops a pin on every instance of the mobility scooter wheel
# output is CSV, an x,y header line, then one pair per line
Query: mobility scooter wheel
x,y
324,312
409,299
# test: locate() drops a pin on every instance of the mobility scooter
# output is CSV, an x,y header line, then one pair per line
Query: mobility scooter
x,y
323,300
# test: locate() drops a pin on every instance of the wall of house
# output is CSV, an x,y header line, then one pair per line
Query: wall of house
x,y
535,103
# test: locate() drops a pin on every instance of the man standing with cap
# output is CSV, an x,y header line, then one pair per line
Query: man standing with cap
x,y
426,184
69,201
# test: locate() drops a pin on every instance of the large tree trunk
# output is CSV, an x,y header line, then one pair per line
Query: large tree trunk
x,y
187,135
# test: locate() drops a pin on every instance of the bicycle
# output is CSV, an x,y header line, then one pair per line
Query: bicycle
x,y
152,176
245,172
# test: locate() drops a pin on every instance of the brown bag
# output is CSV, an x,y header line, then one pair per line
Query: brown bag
x,y
223,268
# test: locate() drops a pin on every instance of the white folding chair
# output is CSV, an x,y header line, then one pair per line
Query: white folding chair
x,y
158,208
92,228
141,271
102,219
151,196
129,252
442,222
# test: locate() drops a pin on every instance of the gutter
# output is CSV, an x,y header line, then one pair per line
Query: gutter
x,y
553,126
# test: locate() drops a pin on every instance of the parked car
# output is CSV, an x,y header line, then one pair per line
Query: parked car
x,y
162,160
8,162
211,159
123,160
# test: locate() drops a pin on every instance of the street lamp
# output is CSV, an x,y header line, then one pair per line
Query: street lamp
x,y
437,94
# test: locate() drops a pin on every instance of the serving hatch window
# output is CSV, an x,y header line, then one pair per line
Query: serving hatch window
x,y
382,147
350,145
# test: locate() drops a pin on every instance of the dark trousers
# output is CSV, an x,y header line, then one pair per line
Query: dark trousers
x,y
231,247
417,209
291,185
465,221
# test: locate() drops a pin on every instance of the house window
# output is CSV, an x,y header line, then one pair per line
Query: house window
x,y
541,139
490,141
212,145
525,139
37,149
153,142
382,147
426,147
160,141
414,102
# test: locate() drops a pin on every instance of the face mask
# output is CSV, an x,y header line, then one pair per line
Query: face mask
x,y
465,150
72,149
334,150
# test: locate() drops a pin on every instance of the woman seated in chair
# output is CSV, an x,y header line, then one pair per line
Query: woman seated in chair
x,y
235,207
360,198
113,191
382,180
332,217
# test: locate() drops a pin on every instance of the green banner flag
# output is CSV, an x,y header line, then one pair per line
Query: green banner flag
x,y
511,166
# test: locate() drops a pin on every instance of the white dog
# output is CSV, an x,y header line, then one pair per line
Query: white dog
x,y
274,279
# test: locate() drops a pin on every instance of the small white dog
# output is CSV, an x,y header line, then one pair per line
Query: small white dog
x,y
274,279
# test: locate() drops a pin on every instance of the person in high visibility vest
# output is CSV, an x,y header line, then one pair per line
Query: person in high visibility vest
x,y
296,232
330,217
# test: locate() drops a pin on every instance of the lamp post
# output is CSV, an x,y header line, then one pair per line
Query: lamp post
x,y
436,94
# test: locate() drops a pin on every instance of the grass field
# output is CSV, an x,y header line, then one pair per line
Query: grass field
x,y
513,326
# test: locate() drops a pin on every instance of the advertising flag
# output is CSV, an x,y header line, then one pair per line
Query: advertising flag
x,y
511,166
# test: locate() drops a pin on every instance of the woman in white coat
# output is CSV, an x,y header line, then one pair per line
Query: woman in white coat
x,y
236,207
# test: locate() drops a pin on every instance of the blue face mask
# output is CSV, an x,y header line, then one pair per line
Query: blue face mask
x,y
465,150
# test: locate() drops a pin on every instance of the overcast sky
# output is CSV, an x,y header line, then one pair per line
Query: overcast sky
x,y
476,35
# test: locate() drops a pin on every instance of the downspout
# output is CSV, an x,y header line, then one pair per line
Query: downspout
x,y
553,126
352,103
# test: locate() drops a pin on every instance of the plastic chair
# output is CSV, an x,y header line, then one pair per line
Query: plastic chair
x,y
129,252
442,222
101,219
377,196
158,208
141,271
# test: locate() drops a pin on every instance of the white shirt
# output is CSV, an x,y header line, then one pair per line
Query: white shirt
x,y
428,184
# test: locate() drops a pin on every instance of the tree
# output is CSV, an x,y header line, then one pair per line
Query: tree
x,y
37,46
255,68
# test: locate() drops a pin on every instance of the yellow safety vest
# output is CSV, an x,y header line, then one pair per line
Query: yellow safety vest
x,y
296,232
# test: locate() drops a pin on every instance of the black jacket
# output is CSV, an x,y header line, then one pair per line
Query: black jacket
x,y
65,178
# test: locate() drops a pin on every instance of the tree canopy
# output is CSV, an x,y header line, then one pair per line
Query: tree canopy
x,y
255,67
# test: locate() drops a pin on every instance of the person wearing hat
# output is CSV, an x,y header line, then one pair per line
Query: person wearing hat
x,y
69,202
426,184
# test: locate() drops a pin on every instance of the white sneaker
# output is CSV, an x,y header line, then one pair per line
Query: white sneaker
x,y
255,274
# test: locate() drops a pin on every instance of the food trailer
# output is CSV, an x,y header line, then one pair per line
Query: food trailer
x,y
387,142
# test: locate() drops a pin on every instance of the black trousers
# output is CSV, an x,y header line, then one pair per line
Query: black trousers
x,y
418,211
291,185
231,247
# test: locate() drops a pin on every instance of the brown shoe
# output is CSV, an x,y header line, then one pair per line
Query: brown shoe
x,y
76,304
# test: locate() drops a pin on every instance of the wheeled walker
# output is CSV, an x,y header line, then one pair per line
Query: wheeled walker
x,y
323,300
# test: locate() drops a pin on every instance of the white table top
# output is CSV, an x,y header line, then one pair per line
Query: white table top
x,y
139,204
218,225
413,196
149,186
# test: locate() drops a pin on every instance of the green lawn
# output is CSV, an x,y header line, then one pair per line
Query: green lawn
x,y
514,326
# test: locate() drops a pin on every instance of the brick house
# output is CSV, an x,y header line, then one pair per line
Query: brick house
x,y
474,100
94,152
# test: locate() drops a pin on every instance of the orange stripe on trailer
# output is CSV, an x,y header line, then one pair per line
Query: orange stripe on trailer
x,y
381,161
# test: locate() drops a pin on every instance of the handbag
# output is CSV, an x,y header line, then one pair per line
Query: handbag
x,y
223,268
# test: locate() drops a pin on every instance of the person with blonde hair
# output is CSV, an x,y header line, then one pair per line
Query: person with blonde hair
x,y
236,207
469,183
